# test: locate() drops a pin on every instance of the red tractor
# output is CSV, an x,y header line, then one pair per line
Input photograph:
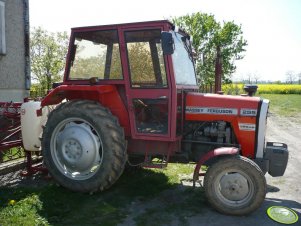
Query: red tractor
x,y
130,94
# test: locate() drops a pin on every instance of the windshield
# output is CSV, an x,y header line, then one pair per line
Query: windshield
x,y
182,62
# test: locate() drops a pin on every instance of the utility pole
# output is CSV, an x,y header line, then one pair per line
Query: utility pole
x,y
218,70
48,81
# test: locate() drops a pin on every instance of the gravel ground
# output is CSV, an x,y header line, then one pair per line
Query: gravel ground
x,y
283,191
14,179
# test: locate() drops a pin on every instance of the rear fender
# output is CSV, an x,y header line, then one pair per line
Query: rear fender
x,y
210,155
107,95
71,92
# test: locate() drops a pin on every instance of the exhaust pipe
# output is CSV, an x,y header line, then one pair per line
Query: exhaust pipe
x,y
250,89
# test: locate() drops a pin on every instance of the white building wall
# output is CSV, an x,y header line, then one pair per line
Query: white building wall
x,y
13,60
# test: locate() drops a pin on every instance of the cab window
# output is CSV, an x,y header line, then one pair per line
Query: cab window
x,y
96,54
145,57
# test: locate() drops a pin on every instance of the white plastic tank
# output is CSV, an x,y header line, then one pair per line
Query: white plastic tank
x,y
31,125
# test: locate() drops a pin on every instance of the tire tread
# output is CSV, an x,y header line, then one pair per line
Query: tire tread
x,y
113,140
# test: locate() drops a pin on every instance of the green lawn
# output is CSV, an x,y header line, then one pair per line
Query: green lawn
x,y
288,105
53,205
11,154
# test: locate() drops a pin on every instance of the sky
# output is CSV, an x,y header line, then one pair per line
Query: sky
x,y
271,27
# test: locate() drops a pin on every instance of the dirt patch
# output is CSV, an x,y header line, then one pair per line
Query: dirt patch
x,y
14,179
289,132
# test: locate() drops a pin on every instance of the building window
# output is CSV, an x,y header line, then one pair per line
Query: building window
x,y
2,29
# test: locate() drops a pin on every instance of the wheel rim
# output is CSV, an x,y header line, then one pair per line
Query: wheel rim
x,y
234,188
76,149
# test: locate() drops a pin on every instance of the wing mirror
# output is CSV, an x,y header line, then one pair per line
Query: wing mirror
x,y
167,43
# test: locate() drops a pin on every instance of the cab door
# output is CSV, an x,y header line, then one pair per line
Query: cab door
x,y
148,86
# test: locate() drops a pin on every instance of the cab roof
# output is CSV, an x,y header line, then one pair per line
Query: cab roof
x,y
155,23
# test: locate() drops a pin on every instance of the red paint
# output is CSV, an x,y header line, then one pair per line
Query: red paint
x,y
10,129
245,138
210,155
107,95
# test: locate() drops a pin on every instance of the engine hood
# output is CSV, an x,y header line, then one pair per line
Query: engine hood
x,y
247,116
224,105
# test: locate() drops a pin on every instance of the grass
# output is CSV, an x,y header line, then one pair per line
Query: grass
x,y
53,205
288,105
24,212
11,154
188,202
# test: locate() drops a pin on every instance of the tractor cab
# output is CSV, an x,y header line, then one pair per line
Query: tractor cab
x,y
149,63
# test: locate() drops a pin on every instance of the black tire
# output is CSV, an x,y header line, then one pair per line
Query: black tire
x,y
235,185
83,146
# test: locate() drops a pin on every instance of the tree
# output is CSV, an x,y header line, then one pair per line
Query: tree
x,y
140,60
290,77
213,42
47,52
256,77
249,78
141,63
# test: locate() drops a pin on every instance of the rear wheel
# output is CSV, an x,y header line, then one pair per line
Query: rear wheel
x,y
83,146
235,185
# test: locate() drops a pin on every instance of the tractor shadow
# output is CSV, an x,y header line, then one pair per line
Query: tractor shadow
x,y
140,197
61,206
272,189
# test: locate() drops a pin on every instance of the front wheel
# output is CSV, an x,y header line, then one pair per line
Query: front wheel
x,y
235,185
83,146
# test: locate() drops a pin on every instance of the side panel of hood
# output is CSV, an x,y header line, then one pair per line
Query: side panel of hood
x,y
240,111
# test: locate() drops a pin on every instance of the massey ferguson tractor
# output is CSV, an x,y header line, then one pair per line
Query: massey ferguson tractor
x,y
130,95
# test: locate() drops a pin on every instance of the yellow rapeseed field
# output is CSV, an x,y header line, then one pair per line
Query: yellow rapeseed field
x,y
264,88
279,88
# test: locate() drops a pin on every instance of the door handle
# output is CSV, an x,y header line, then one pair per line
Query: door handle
x,y
162,97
